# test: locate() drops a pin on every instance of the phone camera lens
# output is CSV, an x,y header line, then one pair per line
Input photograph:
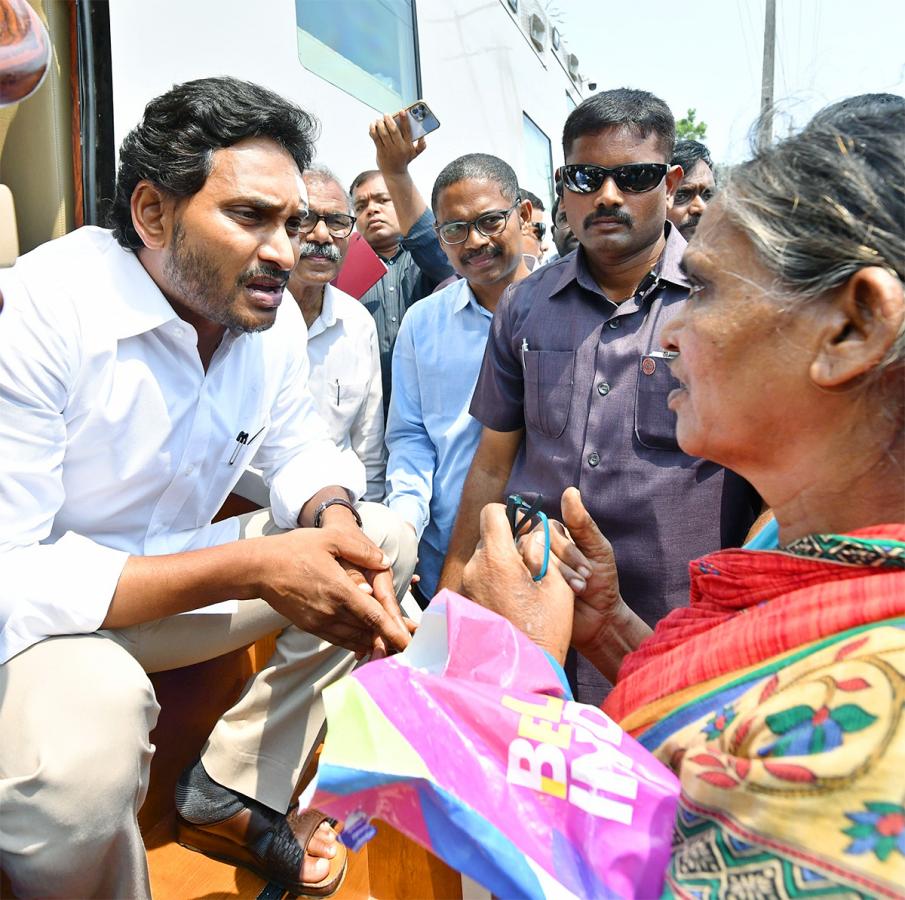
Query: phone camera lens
x,y
418,113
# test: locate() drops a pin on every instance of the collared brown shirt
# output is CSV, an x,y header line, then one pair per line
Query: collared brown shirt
x,y
575,370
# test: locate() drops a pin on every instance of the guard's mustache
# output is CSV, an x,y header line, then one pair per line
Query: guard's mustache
x,y
613,212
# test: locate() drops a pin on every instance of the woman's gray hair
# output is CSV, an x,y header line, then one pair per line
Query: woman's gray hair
x,y
827,202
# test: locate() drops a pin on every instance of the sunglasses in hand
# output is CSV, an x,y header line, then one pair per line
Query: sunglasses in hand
x,y
523,517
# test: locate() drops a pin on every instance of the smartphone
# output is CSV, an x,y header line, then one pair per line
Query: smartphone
x,y
420,118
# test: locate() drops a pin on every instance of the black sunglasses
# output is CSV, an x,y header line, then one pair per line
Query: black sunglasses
x,y
634,178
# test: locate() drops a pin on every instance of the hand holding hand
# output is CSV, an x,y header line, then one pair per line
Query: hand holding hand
x,y
307,577
497,578
393,140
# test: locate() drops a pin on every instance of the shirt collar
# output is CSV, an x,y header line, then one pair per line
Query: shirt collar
x,y
575,267
465,297
140,306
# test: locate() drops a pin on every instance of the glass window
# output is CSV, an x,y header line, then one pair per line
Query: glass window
x,y
538,161
368,48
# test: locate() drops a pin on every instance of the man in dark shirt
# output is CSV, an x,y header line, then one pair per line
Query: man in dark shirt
x,y
408,245
695,190
573,386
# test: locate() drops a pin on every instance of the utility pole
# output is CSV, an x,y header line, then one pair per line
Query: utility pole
x,y
765,134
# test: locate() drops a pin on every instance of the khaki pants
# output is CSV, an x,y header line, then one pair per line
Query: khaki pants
x,y
76,712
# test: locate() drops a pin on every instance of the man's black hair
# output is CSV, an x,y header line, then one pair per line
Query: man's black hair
x,y
640,112
173,145
480,167
688,153
362,177
536,202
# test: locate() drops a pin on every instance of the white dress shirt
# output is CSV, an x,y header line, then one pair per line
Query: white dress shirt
x,y
345,382
115,442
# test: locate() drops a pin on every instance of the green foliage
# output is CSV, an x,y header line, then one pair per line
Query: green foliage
x,y
688,129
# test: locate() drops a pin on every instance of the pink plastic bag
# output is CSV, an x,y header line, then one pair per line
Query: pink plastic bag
x,y
468,744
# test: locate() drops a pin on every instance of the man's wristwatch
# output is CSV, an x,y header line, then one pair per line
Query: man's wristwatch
x,y
334,501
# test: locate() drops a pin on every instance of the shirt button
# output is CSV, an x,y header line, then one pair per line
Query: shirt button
x,y
593,460
614,323
179,331
392,318
392,288
603,389
189,470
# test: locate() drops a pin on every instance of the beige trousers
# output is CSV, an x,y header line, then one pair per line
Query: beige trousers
x,y
76,712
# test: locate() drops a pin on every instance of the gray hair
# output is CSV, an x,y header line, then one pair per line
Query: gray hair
x,y
824,204
321,174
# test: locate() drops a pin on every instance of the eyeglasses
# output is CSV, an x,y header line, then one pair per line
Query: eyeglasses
x,y
539,229
634,178
523,517
684,196
338,224
488,224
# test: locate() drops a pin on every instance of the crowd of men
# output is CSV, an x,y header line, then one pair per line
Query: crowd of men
x,y
144,370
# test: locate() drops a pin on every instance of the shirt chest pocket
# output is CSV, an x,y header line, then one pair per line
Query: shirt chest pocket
x,y
655,422
549,379
345,396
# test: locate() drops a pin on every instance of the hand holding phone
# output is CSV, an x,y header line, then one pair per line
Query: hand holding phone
x,y
394,146
420,120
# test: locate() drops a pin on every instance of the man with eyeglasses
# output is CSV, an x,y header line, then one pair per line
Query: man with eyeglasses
x,y
563,236
695,190
343,351
574,383
430,435
534,231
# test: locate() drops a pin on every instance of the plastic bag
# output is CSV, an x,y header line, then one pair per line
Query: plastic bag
x,y
469,744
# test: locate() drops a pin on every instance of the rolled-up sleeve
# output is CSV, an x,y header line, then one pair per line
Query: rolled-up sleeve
x,y
45,589
412,454
498,401
297,457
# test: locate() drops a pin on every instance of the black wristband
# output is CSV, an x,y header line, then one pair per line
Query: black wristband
x,y
334,501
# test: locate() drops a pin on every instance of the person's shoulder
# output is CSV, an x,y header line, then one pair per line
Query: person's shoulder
x,y
75,271
437,306
351,310
542,282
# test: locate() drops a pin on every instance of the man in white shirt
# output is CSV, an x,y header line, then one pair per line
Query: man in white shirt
x,y
430,434
137,378
343,353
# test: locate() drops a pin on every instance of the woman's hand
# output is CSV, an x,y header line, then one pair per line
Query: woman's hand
x,y
497,578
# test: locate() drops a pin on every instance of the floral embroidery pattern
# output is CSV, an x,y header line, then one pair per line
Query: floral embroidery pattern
x,y
718,722
880,830
804,730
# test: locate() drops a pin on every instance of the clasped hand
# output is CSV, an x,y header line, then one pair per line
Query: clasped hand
x,y
334,582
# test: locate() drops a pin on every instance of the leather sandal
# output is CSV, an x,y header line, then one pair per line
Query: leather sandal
x,y
272,845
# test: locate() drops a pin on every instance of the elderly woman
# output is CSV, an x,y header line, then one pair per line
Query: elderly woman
x,y
778,696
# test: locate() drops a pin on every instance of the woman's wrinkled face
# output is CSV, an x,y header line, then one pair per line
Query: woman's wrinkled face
x,y
744,352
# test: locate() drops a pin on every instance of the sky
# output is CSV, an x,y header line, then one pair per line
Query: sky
x,y
707,54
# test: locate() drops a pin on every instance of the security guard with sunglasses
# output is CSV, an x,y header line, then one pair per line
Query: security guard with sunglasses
x,y
574,382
